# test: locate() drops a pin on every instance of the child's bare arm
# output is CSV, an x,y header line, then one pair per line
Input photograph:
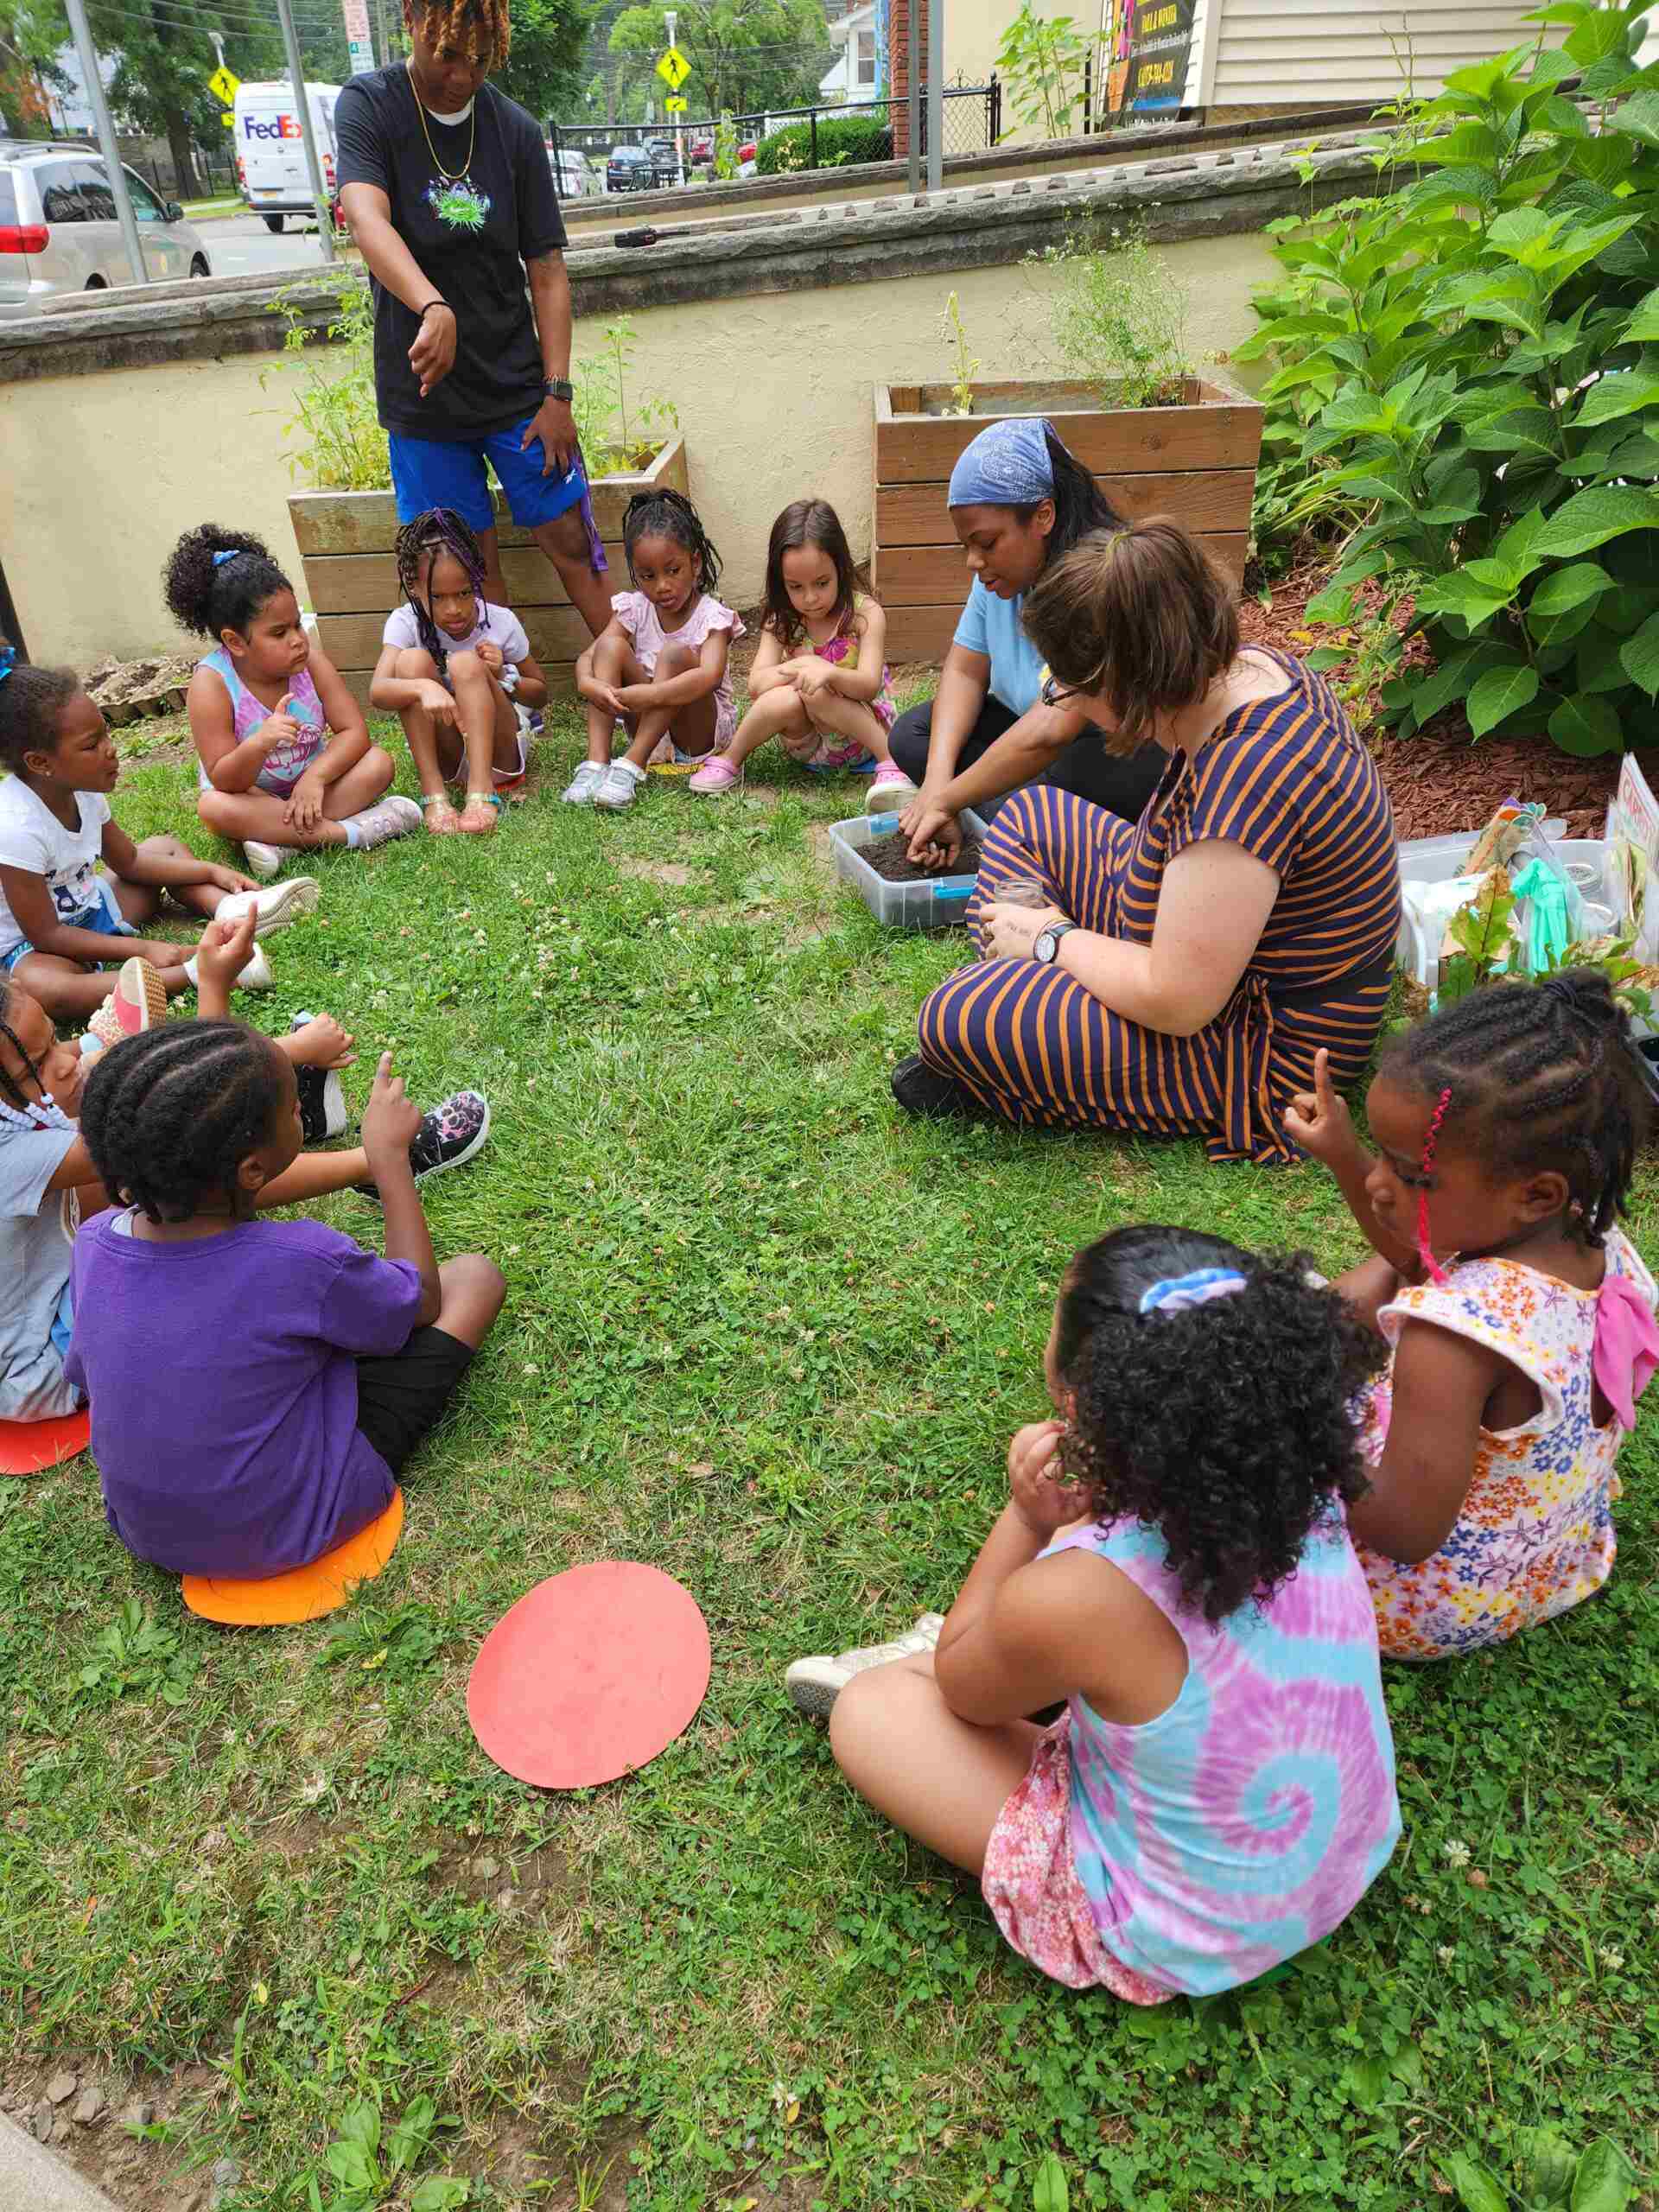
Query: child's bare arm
x,y
232,765
863,682
1440,1385
390,1123
683,690
531,689
393,693
345,718
32,909
123,858
766,669
1319,1120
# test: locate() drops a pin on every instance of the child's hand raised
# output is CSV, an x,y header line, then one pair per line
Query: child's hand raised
x,y
391,1123
1318,1120
225,949
280,728
321,1044
1038,1490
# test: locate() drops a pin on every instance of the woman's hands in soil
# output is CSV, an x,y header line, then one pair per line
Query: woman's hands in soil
x,y
935,833
1008,932
433,354
1318,1120
1038,1490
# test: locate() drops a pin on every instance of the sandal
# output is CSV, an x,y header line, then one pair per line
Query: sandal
x,y
445,821
478,816
715,778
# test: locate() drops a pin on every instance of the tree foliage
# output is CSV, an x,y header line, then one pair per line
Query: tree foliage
x,y
543,72
747,56
1466,389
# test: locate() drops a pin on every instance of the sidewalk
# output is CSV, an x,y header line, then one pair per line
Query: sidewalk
x,y
35,2179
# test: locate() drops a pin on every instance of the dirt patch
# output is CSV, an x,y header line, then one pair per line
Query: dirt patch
x,y
125,691
890,857
86,2111
673,873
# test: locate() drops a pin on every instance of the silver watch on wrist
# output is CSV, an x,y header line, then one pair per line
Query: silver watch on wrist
x,y
1047,943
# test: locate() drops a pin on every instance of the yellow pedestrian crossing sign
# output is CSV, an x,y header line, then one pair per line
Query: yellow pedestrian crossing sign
x,y
224,85
675,106
673,68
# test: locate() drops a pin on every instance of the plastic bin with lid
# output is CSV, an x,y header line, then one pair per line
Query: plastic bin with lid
x,y
937,902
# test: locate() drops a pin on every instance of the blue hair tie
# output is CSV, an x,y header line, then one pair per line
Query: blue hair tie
x,y
231,553
7,661
1178,1293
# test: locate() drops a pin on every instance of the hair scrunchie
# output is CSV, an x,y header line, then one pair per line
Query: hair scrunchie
x,y
1179,1294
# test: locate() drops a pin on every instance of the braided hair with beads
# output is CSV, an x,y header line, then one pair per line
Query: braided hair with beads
x,y
481,30
1533,1077
418,545
667,513
168,1116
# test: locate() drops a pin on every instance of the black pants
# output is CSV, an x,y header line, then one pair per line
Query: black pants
x,y
401,1398
1086,767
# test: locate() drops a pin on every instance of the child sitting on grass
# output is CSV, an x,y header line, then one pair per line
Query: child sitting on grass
x,y
64,928
819,684
1519,1317
1172,1562
456,669
263,704
48,1183
300,1372
659,666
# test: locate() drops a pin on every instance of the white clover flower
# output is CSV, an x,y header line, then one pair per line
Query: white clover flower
x,y
1459,1853
1609,1958
1446,1952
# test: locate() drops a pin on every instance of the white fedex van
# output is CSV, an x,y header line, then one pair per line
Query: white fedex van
x,y
271,148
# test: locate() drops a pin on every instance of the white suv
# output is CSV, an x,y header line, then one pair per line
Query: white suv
x,y
59,231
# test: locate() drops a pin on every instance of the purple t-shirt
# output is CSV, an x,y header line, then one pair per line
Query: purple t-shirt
x,y
223,1380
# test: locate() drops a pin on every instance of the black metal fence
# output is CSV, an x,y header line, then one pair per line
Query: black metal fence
x,y
817,138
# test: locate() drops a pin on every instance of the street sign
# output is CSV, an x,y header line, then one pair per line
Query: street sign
x,y
224,85
673,68
359,45
228,120
675,106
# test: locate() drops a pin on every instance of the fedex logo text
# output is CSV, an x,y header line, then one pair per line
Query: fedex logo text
x,y
275,126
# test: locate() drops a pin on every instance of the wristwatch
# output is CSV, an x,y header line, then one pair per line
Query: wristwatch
x,y
560,388
1047,943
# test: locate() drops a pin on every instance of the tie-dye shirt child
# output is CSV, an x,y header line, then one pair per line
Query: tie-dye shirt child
x,y
1248,1819
286,763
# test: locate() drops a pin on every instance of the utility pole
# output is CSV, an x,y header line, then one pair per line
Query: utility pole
x,y
672,17
935,93
296,79
914,117
86,54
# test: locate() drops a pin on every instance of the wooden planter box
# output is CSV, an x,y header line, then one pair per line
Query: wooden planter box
x,y
346,541
1196,462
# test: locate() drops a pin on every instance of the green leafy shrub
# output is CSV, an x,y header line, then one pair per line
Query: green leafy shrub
x,y
342,446
842,140
1041,59
1119,317
1466,387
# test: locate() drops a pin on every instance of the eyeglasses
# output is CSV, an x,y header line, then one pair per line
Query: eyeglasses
x,y
1056,695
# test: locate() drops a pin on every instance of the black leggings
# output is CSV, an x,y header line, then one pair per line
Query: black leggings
x,y
1086,767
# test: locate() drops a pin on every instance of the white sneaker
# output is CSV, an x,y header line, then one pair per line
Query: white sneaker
x,y
621,786
578,791
264,860
814,1684
276,905
387,818
256,974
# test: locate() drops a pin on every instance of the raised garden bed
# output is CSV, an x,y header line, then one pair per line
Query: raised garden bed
x,y
1195,462
346,541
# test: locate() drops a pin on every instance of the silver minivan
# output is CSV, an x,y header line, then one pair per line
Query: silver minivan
x,y
59,232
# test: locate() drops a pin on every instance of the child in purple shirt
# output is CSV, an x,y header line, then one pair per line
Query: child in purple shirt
x,y
256,1385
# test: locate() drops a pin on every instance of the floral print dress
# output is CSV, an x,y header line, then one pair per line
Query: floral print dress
x,y
1536,1533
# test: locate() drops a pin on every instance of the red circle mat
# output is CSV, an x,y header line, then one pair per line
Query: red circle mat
x,y
589,1675
27,1447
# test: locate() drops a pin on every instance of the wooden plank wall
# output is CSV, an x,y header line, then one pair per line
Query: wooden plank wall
x,y
346,541
1196,462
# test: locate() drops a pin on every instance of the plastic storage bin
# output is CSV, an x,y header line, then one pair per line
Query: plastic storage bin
x,y
937,904
1439,860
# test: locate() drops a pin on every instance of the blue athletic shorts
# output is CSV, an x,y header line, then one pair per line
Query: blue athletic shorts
x,y
444,472
104,916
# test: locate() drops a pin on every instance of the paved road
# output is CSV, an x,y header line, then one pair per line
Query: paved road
x,y
240,245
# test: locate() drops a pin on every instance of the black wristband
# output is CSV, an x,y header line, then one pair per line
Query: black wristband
x,y
427,308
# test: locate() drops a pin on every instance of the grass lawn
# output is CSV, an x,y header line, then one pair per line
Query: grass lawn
x,y
769,1335
226,203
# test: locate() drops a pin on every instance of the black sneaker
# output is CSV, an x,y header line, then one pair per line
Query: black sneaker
x,y
450,1134
322,1103
922,1090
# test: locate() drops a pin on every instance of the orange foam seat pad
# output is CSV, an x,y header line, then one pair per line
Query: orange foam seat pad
x,y
590,1674
304,1593
27,1446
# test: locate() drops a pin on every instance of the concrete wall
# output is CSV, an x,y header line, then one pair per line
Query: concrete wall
x,y
99,474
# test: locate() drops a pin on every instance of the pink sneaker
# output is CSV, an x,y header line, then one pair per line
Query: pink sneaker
x,y
137,1002
715,778
890,787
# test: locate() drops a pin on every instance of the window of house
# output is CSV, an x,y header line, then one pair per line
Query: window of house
x,y
866,57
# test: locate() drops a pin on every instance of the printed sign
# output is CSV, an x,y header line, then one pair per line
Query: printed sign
x,y
1149,44
358,44
223,84
673,68
674,105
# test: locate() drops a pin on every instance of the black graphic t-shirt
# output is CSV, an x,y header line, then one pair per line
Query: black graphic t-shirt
x,y
471,238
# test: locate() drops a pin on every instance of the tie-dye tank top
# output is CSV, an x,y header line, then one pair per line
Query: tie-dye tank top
x,y
285,764
1248,1819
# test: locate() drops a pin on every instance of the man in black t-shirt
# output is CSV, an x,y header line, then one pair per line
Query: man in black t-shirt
x,y
448,191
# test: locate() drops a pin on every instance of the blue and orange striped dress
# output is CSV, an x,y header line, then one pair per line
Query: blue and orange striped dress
x,y
1287,778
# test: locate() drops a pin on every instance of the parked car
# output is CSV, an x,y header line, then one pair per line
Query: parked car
x,y
59,232
573,174
701,149
664,159
629,169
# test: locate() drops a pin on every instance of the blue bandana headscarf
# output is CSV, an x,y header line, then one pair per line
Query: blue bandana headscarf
x,y
1007,466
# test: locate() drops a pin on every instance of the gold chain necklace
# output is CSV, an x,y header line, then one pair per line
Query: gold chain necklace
x,y
449,176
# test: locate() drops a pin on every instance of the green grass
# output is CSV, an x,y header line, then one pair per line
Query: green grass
x,y
197,211
769,1335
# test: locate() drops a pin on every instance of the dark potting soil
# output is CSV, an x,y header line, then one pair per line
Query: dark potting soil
x,y
890,857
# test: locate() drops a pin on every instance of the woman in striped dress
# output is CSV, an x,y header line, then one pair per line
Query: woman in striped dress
x,y
1187,967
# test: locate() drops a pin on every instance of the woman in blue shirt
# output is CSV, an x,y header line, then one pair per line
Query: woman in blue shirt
x,y
1019,501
